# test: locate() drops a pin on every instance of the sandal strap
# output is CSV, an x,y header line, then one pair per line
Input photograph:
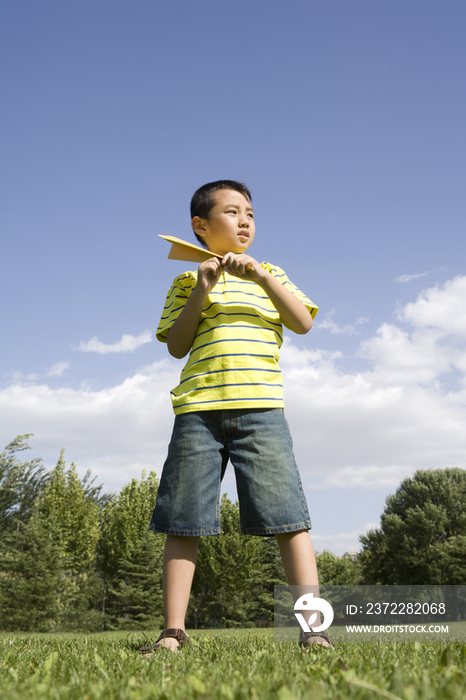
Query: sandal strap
x,y
304,637
178,634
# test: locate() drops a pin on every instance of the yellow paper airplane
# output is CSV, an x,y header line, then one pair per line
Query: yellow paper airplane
x,y
181,250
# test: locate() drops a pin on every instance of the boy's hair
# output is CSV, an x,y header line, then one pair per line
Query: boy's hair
x,y
204,198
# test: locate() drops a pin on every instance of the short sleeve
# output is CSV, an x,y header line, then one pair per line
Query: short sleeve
x,y
177,297
281,276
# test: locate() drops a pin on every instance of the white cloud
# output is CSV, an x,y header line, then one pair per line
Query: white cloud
x,y
329,324
440,308
365,478
371,429
341,542
401,279
365,430
115,432
401,357
128,343
58,369
17,377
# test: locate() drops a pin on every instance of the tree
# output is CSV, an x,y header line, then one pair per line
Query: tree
x,y
66,551
137,591
422,536
235,574
29,578
71,514
20,484
130,557
49,527
28,554
339,571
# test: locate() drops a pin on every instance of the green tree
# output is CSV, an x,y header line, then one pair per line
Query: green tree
x,y
29,578
422,536
339,571
137,592
20,484
235,574
130,556
28,554
72,515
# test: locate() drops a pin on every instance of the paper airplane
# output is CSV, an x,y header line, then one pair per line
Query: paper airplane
x,y
181,250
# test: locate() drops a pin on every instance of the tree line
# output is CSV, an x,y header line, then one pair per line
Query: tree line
x,y
74,558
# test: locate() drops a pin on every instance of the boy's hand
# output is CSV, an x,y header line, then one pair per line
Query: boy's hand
x,y
181,335
242,265
208,274
293,313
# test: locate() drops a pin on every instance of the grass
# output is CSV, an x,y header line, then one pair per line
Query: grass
x,y
227,665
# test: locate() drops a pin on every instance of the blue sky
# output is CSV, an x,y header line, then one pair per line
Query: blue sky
x,y
345,119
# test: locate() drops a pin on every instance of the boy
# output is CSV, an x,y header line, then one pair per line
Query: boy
x,y
229,404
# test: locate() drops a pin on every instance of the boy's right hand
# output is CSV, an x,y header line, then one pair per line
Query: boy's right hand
x,y
208,274
181,335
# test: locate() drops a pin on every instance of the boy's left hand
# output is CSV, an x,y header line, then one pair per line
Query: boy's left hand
x,y
293,312
242,265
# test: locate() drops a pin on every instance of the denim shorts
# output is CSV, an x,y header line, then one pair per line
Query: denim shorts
x,y
258,443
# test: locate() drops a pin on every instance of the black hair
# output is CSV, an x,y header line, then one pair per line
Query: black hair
x,y
204,198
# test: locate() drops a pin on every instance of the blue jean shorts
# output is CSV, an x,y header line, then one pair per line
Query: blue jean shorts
x,y
258,443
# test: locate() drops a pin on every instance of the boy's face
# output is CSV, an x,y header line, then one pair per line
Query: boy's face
x,y
230,227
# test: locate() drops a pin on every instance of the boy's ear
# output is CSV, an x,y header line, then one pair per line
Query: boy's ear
x,y
198,226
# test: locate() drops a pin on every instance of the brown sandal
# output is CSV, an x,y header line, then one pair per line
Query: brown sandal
x,y
179,635
305,638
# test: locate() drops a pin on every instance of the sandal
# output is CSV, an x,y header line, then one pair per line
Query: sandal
x,y
305,638
179,635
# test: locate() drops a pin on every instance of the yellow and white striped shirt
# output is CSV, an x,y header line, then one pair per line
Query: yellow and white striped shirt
x,y
233,362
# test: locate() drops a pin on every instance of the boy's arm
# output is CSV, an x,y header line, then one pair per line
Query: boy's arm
x,y
181,335
294,315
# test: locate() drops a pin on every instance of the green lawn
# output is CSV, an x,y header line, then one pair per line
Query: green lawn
x,y
226,664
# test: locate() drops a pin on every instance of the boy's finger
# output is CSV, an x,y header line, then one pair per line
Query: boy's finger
x,y
226,260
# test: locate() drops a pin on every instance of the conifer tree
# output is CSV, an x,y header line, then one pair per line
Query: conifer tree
x,y
29,578
130,557
138,586
72,516
28,554
235,575
20,484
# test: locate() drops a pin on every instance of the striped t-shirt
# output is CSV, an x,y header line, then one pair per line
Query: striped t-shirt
x,y
233,362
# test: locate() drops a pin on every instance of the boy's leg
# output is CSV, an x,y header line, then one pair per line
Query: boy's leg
x,y
298,558
179,562
300,566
